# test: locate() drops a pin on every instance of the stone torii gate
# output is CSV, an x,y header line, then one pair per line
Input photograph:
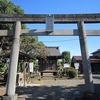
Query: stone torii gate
x,y
50,20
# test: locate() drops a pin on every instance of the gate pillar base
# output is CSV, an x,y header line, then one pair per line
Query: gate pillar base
x,y
12,97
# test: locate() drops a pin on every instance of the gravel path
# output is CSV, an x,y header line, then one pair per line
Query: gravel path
x,y
54,89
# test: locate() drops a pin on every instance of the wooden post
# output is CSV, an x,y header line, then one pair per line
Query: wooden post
x,y
11,81
24,64
85,58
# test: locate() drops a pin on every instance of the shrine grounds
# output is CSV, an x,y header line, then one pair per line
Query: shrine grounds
x,y
50,89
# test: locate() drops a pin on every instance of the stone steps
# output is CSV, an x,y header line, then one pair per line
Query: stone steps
x,y
48,74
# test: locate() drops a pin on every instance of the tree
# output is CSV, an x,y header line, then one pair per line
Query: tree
x,y
27,42
32,46
66,57
7,7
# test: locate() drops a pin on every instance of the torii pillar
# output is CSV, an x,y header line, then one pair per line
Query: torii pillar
x,y
85,58
11,81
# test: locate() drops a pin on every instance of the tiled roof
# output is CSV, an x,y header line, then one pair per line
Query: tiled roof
x,y
96,51
53,51
92,59
77,57
49,51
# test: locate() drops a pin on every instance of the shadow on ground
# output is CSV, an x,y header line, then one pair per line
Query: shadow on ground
x,y
49,92
53,92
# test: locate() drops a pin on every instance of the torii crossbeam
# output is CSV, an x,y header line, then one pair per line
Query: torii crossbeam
x,y
78,19
58,18
36,32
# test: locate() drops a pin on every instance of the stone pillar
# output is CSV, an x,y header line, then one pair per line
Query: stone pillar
x,y
11,81
85,58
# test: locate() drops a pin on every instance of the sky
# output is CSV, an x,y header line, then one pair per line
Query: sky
x,y
65,43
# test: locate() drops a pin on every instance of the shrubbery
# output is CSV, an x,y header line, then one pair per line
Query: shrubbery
x,y
70,72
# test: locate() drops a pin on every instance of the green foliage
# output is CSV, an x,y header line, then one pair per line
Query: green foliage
x,y
32,46
20,67
59,63
66,56
7,7
65,71
72,73
69,72
29,42
36,66
26,43
27,76
3,67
